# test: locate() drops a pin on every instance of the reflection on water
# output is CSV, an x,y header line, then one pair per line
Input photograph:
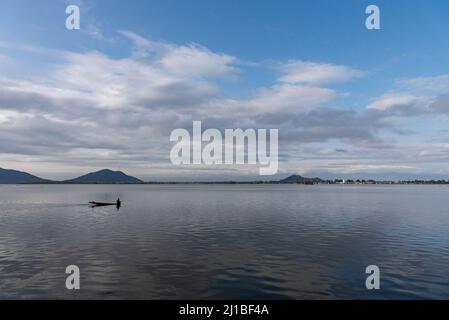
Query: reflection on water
x,y
224,241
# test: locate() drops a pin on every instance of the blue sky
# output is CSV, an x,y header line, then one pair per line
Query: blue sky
x,y
386,90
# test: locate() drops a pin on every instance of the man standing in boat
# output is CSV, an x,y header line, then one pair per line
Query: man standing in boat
x,y
118,203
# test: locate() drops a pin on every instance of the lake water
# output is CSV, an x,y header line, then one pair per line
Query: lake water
x,y
224,241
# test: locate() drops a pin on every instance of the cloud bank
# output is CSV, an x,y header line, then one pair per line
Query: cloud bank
x,y
91,110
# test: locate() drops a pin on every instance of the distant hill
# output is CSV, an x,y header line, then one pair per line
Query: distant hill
x,y
105,176
300,179
13,176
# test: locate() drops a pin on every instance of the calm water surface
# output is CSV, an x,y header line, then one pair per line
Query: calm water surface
x,y
224,241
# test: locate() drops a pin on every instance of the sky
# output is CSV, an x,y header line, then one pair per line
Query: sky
x,y
347,101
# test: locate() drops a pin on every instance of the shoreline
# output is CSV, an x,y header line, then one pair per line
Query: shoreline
x,y
236,183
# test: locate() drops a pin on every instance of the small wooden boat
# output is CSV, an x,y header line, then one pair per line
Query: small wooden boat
x,y
102,204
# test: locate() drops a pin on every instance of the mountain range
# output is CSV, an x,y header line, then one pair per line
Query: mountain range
x,y
103,176
106,176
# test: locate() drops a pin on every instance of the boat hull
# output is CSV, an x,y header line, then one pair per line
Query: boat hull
x,y
102,204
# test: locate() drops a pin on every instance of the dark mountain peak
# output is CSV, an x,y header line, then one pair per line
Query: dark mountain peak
x,y
300,179
293,179
13,176
105,176
108,171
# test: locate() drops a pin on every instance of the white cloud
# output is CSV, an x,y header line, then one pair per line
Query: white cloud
x,y
392,99
293,98
191,60
143,47
277,99
312,73
437,84
195,60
